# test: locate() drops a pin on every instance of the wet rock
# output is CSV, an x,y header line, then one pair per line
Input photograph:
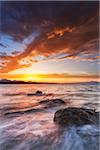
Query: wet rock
x,y
30,94
76,116
52,102
38,93
21,112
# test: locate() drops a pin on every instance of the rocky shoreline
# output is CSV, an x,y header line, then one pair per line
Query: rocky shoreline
x,y
65,117
76,116
43,119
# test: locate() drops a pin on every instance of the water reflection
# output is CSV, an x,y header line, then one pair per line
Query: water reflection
x,y
25,124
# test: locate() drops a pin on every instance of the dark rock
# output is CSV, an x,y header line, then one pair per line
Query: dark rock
x,y
38,93
76,116
52,102
30,94
20,112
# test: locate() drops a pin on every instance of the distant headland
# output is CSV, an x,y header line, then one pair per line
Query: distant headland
x,y
6,81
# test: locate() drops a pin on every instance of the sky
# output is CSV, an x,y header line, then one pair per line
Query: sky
x,y
49,41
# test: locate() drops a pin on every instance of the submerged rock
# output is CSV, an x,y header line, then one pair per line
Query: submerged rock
x,y
21,112
38,93
52,102
76,116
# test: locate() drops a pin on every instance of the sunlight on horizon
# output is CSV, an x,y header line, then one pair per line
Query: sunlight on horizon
x,y
50,78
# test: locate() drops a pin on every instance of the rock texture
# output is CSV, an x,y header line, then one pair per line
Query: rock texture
x,y
76,116
38,93
52,102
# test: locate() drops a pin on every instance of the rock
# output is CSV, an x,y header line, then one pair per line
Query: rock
x,y
30,94
21,112
52,102
38,93
76,116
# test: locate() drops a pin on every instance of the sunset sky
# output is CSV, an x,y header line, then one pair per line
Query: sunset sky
x,y
49,41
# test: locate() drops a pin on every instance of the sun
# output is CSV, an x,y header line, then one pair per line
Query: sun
x,y
29,77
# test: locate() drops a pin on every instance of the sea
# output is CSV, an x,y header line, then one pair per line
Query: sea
x,y
26,124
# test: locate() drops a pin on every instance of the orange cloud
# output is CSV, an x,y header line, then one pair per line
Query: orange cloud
x,y
60,31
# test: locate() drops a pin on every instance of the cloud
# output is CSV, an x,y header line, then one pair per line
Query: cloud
x,y
2,45
15,52
68,29
59,32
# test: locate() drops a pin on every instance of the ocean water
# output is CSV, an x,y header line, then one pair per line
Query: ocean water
x,y
25,124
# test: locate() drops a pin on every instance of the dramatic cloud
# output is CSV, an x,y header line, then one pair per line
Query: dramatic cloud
x,y
67,29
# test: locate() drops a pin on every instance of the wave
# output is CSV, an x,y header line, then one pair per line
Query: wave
x,y
82,138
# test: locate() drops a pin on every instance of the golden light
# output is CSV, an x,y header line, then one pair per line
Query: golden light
x,y
29,77
49,78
